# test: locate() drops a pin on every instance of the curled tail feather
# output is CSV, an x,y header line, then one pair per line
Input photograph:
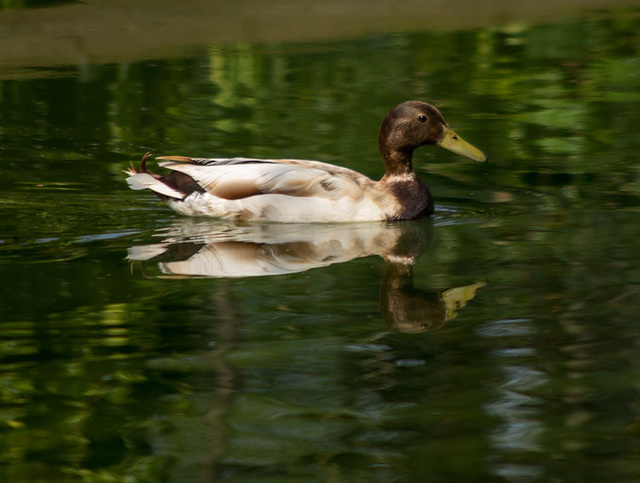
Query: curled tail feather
x,y
145,179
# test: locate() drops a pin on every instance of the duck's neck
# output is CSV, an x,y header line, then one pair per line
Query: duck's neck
x,y
396,156
411,195
397,163
398,275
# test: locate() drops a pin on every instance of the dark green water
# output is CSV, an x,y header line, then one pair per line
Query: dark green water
x,y
510,351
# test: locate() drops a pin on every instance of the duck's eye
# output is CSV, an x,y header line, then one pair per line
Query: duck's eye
x,y
422,118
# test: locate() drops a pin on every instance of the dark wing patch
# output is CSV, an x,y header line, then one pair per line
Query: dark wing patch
x,y
329,184
180,182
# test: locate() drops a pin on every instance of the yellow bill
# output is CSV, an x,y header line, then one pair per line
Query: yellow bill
x,y
455,143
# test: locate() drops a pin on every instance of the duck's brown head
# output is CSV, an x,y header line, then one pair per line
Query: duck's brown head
x,y
413,124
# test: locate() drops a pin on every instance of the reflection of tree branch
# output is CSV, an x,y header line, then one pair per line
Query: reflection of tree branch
x,y
226,332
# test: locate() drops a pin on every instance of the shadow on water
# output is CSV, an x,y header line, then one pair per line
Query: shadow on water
x,y
221,249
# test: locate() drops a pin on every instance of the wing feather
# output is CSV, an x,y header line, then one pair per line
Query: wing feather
x,y
239,178
215,161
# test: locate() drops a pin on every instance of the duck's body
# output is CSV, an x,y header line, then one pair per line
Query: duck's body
x,y
284,190
293,190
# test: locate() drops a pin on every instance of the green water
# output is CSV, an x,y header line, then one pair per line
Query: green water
x,y
508,349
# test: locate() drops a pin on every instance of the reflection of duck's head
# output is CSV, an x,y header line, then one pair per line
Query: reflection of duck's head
x,y
405,308
408,309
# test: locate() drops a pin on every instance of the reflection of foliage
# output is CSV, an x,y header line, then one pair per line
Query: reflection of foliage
x,y
21,4
104,375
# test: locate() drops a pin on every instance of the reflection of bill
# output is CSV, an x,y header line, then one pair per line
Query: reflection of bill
x,y
214,249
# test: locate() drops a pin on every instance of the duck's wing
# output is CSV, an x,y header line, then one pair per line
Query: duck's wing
x,y
238,178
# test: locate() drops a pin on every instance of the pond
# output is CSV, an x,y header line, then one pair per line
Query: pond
x,y
498,340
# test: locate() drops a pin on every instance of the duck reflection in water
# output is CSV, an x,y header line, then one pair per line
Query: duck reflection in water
x,y
192,248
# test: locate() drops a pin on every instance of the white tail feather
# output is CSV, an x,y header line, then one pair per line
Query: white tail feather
x,y
143,181
141,253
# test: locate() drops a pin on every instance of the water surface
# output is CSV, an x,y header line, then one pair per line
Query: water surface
x,y
497,341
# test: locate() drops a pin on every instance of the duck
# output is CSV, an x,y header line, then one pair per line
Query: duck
x,y
305,191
